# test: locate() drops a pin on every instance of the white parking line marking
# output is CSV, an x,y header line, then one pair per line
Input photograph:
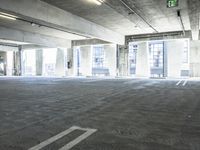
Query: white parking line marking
x,y
179,82
64,133
78,140
185,83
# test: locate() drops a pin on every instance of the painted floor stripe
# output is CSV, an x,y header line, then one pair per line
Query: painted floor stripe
x,y
179,82
64,133
185,83
53,139
78,140
93,80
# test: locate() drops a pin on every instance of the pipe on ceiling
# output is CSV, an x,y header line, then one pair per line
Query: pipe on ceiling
x,y
140,16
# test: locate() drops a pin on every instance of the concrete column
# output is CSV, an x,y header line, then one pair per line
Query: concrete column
x,y
86,61
165,60
20,61
70,58
39,62
174,59
60,62
117,60
142,60
195,58
110,58
3,58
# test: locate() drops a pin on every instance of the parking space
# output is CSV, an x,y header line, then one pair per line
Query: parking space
x,y
127,114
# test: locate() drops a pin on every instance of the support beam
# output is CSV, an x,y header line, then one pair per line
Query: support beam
x,y
46,14
194,11
33,38
8,48
158,36
88,42
32,46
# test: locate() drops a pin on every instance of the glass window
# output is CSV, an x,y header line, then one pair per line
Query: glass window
x,y
132,54
29,57
156,54
49,61
98,57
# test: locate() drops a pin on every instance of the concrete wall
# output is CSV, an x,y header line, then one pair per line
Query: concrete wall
x,y
174,57
60,62
142,62
86,61
195,58
173,54
110,58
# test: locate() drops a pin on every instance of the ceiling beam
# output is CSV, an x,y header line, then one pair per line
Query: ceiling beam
x,y
158,36
32,38
48,15
194,11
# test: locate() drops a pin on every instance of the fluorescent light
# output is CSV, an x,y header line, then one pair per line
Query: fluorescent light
x,y
7,16
97,2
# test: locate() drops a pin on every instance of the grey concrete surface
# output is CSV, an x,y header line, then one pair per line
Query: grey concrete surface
x,y
130,114
28,37
49,15
114,15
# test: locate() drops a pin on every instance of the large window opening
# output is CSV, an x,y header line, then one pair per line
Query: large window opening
x,y
29,59
98,57
49,62
98,65
156,52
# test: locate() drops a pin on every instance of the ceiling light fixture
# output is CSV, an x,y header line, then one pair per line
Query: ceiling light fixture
x,y
7,16
97,2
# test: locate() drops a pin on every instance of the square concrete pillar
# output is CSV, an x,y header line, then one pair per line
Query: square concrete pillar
x,y
110,58
174,57
142,60
86,60
60,62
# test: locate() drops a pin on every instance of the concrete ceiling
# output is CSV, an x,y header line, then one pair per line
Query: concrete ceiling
x,y
113,14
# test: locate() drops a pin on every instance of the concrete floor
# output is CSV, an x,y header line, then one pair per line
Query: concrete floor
x,y
128,114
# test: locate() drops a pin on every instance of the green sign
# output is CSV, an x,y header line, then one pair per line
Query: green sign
x,y
172,3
